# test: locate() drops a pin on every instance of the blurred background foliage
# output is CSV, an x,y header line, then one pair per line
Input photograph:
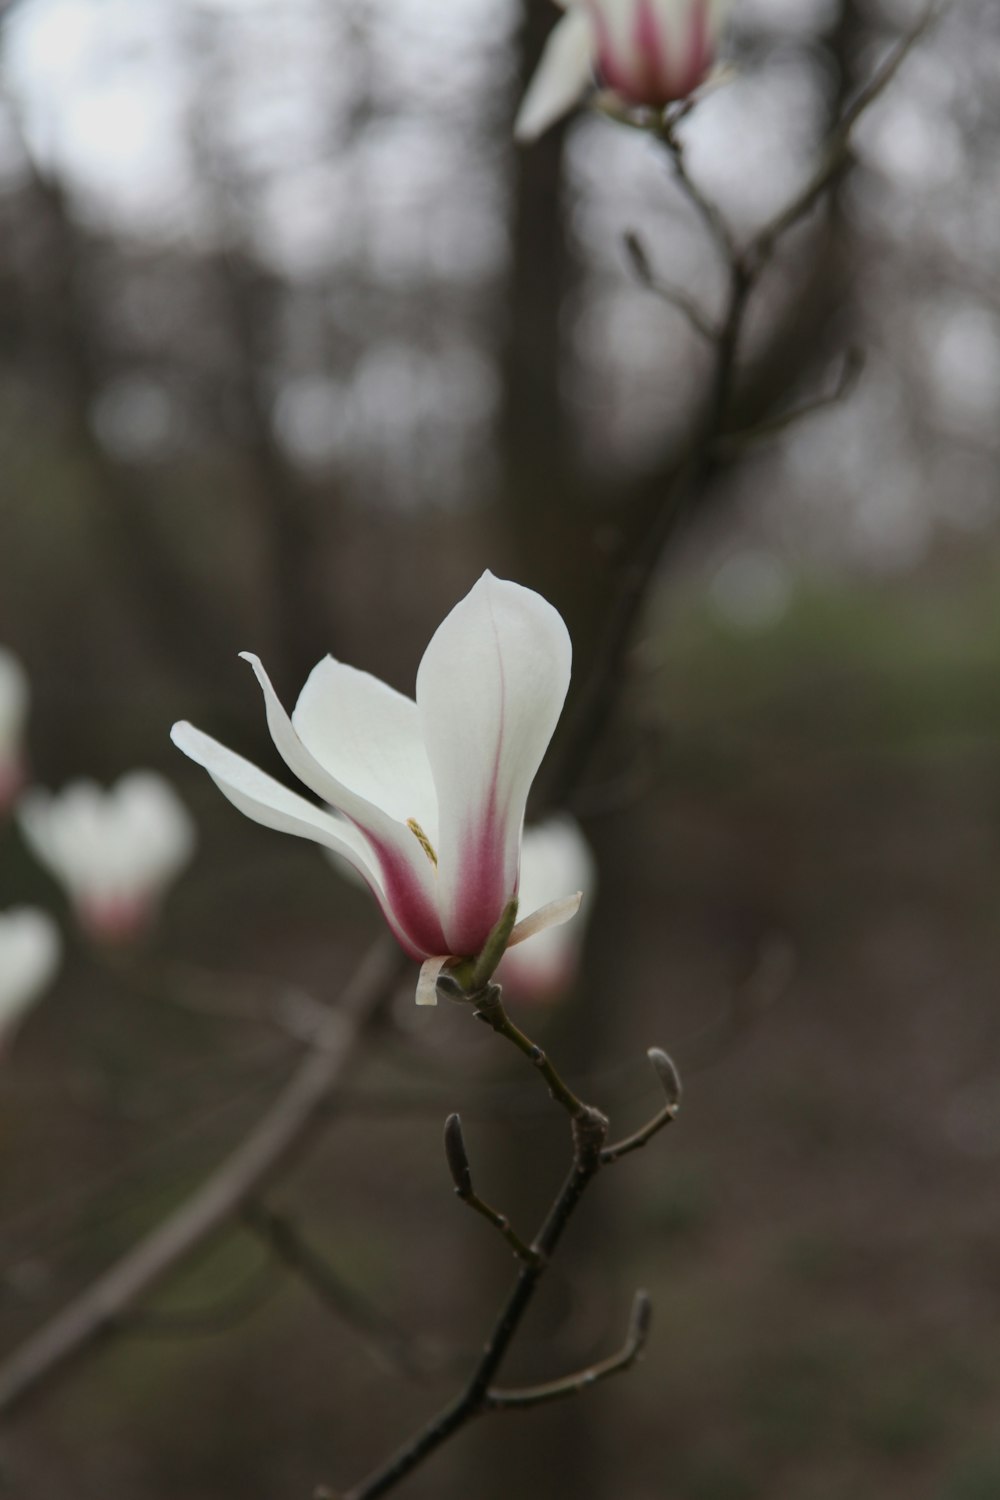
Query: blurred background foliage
x,y
293,343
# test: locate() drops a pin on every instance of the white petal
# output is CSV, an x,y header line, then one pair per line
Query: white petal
x,y
408,875
553,914
367,735
490,690
561,77
29,955
267,802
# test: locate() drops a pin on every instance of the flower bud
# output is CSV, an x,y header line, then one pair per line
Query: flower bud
x,y
648,52
655,51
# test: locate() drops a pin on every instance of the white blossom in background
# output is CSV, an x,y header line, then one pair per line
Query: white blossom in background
x,y
555,858
114,850
424,799
647,52
13,713
29,956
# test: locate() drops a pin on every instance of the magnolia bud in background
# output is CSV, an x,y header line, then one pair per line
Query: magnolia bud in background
x,y
29,957
13,713
115,851
648,52
555,858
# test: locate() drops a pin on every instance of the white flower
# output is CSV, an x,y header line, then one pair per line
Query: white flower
x,y
555,857
29,956
425,799
115,850
646,51
13,712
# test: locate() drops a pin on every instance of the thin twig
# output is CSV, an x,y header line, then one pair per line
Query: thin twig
x,y
461,1174
254,1162
202,1322
745,265
846,381
490,1009
666,1116
289,1246
709,212
500,1399
665,290
588,1131
837,153
670,1082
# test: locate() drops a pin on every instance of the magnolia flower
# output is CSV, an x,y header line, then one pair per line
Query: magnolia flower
x,y
424,799
115,851
13,712
29,955
646,51
555,857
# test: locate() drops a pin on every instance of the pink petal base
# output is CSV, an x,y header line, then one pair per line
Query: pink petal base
x,y
650,74
118,919
12,781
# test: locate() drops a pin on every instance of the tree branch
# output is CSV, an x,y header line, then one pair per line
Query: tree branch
x,y
297,1110
572,1385
293,1251
589,1128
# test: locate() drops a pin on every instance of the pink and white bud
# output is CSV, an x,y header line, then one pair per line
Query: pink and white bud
x,y
29,956
423,798
13,714
114,851
555,857
648,52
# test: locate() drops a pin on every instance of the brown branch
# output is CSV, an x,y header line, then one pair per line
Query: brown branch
x,y
202,1322
665,290
589,1128
296,1111
836,157
461,1175
690,478
847,379
288,1246
588,1136
498,1399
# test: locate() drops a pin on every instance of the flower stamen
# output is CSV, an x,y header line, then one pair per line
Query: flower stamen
x,y
422,840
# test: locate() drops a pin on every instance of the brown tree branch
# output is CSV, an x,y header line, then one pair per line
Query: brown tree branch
x,y
282,1131
589,1128
519,1399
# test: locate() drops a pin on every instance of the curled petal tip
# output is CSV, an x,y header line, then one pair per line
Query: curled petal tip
x,y
427,980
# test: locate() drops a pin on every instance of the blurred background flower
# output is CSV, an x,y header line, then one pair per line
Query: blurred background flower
x,y
115,850
13,713
29,957
555,859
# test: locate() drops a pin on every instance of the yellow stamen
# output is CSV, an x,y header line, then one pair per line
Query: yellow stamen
x,y
422,840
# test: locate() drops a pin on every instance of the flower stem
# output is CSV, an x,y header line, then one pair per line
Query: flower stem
x,y
489,1008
